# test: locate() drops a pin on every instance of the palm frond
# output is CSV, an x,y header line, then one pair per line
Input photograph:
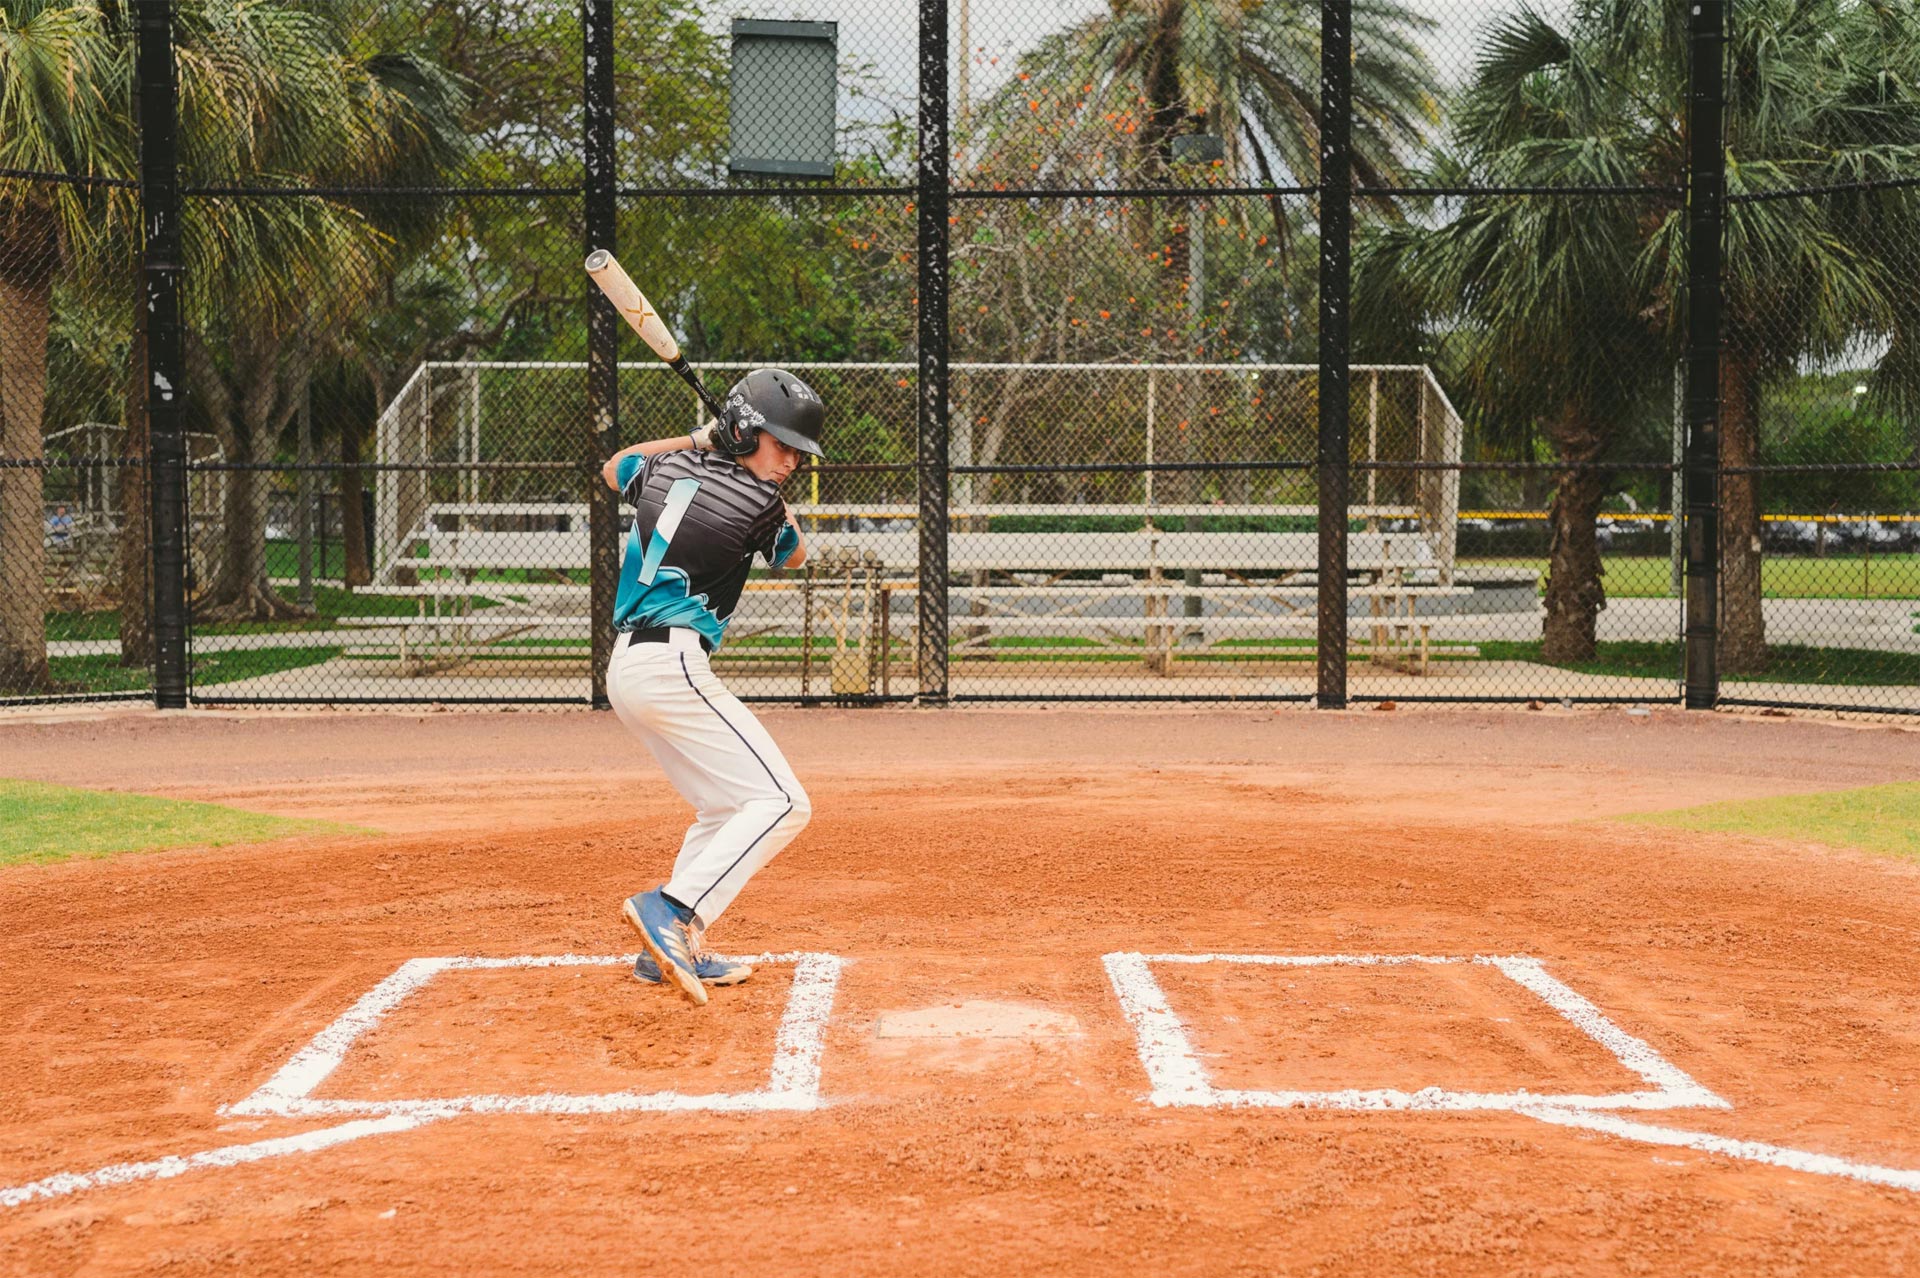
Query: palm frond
x,y
65,96
1516,50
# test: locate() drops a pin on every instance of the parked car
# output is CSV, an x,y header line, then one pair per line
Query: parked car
x,y
1792,534
1860,533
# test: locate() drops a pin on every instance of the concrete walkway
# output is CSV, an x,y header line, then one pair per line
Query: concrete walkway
x,y
221,643
1885,625
352,681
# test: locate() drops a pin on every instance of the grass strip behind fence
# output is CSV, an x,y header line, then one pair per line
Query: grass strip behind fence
x,y
41,823
100,674
1836,576
1878,818
330,604
1786,663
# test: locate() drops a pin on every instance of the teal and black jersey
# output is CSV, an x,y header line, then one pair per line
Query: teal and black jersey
x,y
700,518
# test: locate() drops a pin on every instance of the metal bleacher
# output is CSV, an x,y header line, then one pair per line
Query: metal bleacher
x,y
1146,591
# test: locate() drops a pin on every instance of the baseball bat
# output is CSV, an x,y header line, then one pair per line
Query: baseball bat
x,y
644,320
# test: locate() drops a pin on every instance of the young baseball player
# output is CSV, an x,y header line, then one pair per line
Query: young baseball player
x,y
705,505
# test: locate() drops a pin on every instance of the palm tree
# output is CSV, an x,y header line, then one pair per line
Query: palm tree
x,y
1147,71
60,112
1106,101
1564,310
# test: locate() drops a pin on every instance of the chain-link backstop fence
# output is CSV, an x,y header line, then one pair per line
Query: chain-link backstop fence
x,y
1389,350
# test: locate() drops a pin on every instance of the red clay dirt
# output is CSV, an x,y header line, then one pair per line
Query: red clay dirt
x,y
959,859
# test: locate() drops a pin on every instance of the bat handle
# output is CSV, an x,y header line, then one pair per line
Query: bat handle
x,y
691,376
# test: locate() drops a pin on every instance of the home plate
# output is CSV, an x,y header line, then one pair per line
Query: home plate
x,y
976,1018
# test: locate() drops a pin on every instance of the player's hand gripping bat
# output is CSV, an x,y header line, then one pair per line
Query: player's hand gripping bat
x,y
640,315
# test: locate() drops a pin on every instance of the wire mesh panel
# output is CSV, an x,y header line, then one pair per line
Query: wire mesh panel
x,y
1526,251
713,101
74,595
767,210
91,527
416,198
1148,529
1132,406
1820,385
515,532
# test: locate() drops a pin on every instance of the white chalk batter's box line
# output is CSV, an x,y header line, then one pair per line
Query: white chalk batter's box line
x,y
793,1083
1174,1069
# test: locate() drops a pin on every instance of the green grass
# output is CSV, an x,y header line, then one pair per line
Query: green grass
x,y
283,559
329,602
1787,663
1878,818
106,674
41,823
1790,663
1834,577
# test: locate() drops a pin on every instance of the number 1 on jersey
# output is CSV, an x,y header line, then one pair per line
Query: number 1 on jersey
x,y
672,510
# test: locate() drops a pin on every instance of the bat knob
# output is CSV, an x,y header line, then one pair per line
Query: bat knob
x,y
597,260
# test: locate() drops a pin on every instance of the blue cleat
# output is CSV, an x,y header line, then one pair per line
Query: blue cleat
x,y
664,930
711,968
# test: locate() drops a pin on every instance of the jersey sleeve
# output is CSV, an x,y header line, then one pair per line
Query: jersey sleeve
x,y
785,542
766,536
628,470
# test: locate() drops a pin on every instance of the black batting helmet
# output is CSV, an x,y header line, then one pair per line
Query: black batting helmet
x,y
775,401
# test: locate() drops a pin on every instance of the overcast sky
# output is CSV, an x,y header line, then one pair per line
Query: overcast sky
x,y
882,32
1004,26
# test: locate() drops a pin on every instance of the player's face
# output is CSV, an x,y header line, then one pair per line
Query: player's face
x,y
772,460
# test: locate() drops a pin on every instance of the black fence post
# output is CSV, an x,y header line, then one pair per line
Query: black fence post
x,y
160,266
603,338
930,201
1706,221
1336,228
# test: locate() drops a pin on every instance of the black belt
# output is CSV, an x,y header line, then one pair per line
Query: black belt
x,y
664,634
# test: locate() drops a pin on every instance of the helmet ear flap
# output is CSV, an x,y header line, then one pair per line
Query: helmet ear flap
x,y
731,436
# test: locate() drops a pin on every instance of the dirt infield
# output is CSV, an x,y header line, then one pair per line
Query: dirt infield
x,y
984,1100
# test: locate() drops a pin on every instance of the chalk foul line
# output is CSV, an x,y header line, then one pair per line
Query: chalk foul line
x,y
227,1156
1751,1150
64,1183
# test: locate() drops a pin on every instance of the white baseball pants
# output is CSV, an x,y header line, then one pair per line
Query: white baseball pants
x,y
747,803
